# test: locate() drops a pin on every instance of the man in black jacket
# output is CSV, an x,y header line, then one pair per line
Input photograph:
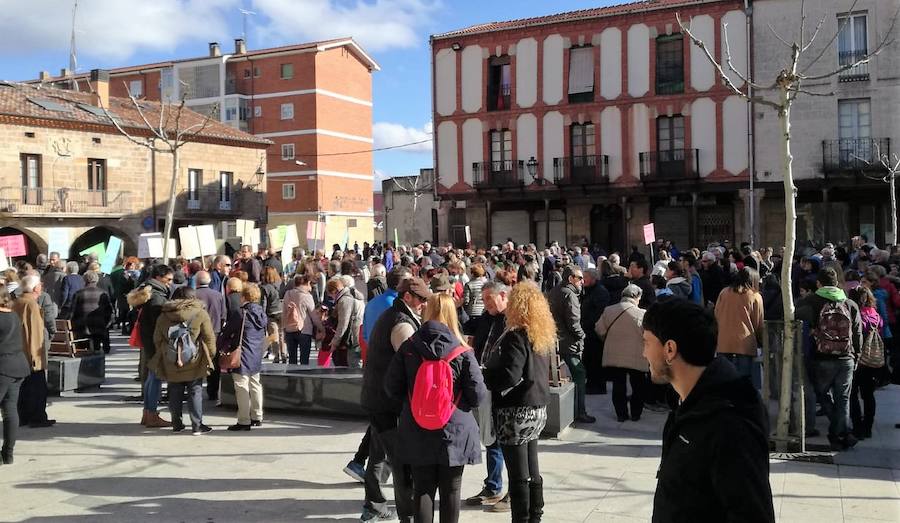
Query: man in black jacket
x,y
393,327
565,305
92,312
713,277
639,272
715,460
593,302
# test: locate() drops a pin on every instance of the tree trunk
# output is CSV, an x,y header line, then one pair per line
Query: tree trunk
x,y
170,212
790,233
893,209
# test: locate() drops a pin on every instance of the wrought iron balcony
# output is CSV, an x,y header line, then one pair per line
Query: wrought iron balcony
x,y
211,201
63,201
498,175
581,170
670,165
856,73
859,154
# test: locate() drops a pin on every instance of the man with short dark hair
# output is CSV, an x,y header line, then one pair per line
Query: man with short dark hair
x,y
715,455
639,273
593,302
250,264
833,369
92,313
214,303
566,308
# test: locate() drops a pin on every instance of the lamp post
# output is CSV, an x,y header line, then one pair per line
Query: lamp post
x,y
532,166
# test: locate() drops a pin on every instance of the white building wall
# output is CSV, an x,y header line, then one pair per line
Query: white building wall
x,y
640,134
554,145
553,69
526,140
638,60
610,63
735,23
703,133
448,161
472,78
526,72
702,72
473,151
734,134
445,81
611,140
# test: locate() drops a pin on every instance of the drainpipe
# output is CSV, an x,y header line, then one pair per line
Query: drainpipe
x,y
751,153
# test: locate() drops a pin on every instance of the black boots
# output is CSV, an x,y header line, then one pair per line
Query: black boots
x,y
526,500
536,510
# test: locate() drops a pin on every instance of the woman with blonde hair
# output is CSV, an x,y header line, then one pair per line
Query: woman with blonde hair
x,y
437,457
516,372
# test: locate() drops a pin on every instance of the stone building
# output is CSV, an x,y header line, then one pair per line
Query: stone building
x,y
312,100
410,208
590,124
834,138
63,165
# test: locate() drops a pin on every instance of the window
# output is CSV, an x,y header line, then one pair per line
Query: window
x,y
501,151
30,166
287,111
248,73
257,111
670,146
256,72
670,64
97,181
855,131
581,74
287,71
853,46
225,179
582,140
167,84
195,177
499,84
136,87
288,191
287,151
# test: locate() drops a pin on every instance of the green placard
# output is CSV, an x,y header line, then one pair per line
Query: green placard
x,y
99,250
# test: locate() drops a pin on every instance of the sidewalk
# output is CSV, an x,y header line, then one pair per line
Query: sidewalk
x,y
99,465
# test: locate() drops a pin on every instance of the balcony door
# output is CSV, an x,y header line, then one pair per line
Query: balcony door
x,y
501,151
855,132
225,179
97,182
30,165
583,151
670,146
193,189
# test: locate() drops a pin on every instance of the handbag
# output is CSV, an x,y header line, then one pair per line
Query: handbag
x,y
135,339
229,360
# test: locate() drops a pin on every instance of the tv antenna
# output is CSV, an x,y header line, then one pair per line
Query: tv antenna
x,y
245,13
73,58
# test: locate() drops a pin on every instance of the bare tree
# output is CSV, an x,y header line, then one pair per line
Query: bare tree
x,y
890,163
779,94
167,135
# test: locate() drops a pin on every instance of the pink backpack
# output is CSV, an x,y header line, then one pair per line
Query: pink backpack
x,y
432,402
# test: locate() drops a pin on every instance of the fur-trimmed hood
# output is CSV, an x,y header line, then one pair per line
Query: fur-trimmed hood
x,y
139,296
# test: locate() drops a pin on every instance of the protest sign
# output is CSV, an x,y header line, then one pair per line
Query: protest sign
x,y
649,234
276,237
14,245
97,250
4,263
190,242
206,238
108,260
150,245
58,241
244,229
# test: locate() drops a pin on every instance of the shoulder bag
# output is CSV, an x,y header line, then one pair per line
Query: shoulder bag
x,y
229,360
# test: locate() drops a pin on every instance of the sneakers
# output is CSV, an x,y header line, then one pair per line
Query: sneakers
x,y
485,497
842,443
238,426
355,471
500,506
42,424
585,418
256,423
386,514
177,427
201,430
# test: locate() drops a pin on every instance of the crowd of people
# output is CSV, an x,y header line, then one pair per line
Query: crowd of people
x,y
681,331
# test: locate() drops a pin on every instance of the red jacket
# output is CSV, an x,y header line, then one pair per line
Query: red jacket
x,y
893,302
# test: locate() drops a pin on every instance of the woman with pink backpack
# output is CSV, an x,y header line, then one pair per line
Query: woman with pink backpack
x,y
440,381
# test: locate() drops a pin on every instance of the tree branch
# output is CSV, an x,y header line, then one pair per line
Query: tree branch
x,y
779,37
799,90
137,106
815,33
833,38
733,69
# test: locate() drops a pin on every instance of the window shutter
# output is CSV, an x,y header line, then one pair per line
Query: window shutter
x,y
581,70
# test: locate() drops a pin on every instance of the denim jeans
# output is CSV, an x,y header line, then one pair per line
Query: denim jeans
x,y
494,461
835,376
298,340
195,405
152,391
579,376
746,366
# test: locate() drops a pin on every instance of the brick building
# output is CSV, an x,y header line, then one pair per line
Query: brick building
x,y
590,124
63,165
312,100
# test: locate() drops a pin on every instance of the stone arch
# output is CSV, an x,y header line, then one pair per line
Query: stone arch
x,y
97,235
36,243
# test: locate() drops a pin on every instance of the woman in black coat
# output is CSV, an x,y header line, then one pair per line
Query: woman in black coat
x,y
14,368
437,457
517,371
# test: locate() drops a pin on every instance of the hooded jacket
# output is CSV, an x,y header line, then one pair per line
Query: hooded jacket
x,y
459,442
680,287
195,316
809,308
374,398
349,308
253,319
149,299
715,454
566,309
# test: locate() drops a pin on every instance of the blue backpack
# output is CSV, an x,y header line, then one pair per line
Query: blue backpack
x,y
182,347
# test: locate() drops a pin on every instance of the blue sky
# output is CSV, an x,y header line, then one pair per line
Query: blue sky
x,y
124,32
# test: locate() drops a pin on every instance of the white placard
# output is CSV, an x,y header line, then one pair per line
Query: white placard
x,y
58,240
244,229
190,242
206,237
4,263
150,245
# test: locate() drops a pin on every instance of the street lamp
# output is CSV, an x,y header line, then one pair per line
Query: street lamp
x,y
532,166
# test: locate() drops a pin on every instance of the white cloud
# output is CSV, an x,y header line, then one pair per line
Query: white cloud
x,y
377,24
112,30
387,134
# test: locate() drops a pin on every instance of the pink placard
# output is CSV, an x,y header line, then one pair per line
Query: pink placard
x,y
649,234
14,245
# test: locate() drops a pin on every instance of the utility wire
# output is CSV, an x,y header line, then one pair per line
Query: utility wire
x,y
358,152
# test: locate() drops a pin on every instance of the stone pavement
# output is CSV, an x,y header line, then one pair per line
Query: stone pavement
x,y
99,465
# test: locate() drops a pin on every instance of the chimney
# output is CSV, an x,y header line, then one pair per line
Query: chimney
x,y
100,87
44,76
240,46
65,72
214,49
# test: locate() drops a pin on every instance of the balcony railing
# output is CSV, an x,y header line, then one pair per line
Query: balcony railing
x,y
859,154
856,73
46,200
210,201
581,170
670,165
506,173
